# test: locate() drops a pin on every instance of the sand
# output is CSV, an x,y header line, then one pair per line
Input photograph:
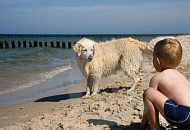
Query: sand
x,y
113,109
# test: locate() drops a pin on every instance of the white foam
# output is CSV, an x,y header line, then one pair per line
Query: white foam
x,y
42,77
48,75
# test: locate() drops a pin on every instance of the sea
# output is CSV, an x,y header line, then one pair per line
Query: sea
x,y
29,73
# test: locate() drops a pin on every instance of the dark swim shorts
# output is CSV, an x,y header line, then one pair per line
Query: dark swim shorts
x,y
177,115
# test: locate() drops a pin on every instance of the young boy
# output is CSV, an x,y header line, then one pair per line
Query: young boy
x,y
169,90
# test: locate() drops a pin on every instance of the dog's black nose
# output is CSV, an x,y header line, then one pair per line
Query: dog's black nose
x,y
90,58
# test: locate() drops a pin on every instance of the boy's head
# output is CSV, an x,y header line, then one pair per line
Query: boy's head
x,y
169,52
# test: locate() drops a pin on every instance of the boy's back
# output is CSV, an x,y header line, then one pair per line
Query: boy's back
x,y
174,85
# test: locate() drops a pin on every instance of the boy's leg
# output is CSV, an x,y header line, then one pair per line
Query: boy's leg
x,y
150,114
144,122
153,102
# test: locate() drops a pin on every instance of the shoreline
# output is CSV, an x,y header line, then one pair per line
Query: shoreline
x,y
27,110
114,108
51,86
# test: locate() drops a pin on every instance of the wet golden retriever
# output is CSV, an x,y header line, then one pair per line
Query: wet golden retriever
x,y
98,60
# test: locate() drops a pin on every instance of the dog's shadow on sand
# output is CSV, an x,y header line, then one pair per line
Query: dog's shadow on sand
x,y
57,98
114,90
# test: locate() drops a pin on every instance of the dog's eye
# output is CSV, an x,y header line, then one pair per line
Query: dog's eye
x,y
91,49
85,50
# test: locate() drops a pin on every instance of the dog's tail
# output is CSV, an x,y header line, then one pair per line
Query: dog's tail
x,y
147,48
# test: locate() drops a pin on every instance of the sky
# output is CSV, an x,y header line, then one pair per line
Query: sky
x,y
94,16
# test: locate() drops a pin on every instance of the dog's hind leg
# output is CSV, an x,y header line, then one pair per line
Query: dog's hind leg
x,y
130,71
136,80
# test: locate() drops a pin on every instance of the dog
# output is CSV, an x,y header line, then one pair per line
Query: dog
x,y
98,60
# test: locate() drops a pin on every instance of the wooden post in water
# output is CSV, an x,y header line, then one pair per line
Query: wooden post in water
x,y
45,44
52,44
19,44
6,44
69,45
35,43
1,44
63,45
30,43
24,44
40,44
58,44
13,44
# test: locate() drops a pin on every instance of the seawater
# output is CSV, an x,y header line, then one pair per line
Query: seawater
x,y
22,68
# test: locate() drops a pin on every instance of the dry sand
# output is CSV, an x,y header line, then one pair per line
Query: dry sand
x,y
113,109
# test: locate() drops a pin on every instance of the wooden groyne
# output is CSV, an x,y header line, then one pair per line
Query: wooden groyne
x,y
25,44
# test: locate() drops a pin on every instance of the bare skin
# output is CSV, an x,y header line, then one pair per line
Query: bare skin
x,y
168,84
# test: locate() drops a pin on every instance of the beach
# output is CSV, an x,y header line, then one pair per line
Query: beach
x,y
113,109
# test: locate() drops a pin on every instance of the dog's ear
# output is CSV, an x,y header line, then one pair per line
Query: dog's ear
x,y
94,50
77,48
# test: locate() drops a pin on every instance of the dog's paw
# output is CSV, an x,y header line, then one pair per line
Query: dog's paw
x,y
86,96
130,90
94,93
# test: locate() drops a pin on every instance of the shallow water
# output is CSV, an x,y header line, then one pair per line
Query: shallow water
x,y
22,68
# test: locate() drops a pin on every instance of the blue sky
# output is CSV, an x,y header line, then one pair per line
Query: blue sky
x,y
94,16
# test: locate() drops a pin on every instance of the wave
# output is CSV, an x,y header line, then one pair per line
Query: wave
x,y
32,79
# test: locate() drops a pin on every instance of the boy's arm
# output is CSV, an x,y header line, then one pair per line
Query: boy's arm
x,y
154,82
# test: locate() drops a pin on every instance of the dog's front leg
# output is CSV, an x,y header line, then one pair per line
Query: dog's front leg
x,y
88,88
96,86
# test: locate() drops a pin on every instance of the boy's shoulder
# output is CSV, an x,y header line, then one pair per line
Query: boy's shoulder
x,y
164,74
168,71
165,78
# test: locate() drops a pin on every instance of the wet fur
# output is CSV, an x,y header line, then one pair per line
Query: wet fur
x,y
125,54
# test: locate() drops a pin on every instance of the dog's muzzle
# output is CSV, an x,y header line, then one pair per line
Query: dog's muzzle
x,y
90,58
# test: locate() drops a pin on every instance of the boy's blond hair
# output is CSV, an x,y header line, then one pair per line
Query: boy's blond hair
x,y
170,51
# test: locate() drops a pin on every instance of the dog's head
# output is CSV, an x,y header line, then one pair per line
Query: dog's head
x,y
85,49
